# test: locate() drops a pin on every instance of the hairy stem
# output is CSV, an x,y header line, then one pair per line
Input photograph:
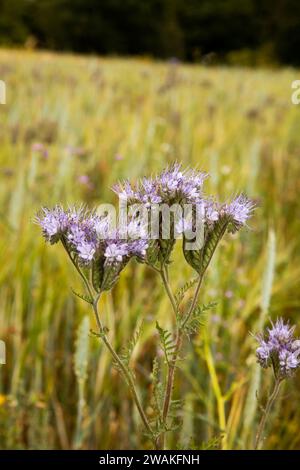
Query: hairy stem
x,y
164,276
118,360
178,344
124,370
266,413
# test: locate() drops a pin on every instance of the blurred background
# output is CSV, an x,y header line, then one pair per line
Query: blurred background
x,y
119,90
251,31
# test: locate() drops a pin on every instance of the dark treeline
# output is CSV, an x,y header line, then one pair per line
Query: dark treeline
x,y
187,29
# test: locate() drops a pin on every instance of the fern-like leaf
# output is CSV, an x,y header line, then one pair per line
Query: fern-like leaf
x,y
197,318
129,348
179,296
212,444
84,297
167,343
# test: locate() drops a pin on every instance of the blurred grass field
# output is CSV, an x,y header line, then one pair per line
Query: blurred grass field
x,y
71,127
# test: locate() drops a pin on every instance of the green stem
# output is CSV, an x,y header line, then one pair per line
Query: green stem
x,y
124,370
114,354
164,276
266,413
178,344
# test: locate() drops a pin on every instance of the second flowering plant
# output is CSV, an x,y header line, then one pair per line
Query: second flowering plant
x,y
159,211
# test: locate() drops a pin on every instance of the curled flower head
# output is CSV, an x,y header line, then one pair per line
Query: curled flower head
x,y
115,251
176,184
239,211
263,353
212,211
281,334
173,184
119,251
279,348
288,361
91,243
183,188
54,223
138,248
174,188
86,251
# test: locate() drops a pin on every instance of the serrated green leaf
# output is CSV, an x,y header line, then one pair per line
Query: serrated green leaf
x,y
128,350
167,343
183,290
84,297
197,318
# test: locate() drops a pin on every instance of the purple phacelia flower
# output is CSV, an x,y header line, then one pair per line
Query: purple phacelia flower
x,y
102,227
263,353
54,223
89,240
177,184
239,210
136,230
138,248
212,211
120,250
115,251
125,191
279,348
281,334
75,234
86,251
170,186
288,361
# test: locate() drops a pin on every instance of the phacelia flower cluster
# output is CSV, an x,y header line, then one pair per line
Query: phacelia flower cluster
x,y
89,239
172,185
236,213
185,187
280,349
239,210
87,235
